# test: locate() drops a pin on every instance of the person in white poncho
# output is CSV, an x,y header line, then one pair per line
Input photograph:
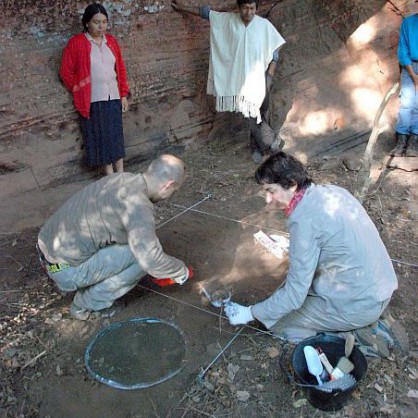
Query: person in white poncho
x,y
243,56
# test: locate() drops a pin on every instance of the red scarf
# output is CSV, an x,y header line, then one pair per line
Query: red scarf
x,y
297,197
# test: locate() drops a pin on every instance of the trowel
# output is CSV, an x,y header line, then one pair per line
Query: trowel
x,y
314,363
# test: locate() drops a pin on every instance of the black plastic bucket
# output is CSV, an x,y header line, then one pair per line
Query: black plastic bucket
x,y
333,347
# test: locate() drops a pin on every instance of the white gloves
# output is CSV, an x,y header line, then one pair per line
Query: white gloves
x,y
238,314
188,275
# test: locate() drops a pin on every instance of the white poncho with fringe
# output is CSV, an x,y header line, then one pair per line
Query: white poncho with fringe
x,y
239,58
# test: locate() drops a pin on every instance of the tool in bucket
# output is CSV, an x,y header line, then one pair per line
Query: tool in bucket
x,y
314,363
339,380
316,369
332,395
344,365
283,358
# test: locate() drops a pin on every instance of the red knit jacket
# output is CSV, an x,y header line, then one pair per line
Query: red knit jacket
x,y
75,70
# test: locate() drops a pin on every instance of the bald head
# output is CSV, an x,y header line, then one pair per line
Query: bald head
x,y
164,176
167,167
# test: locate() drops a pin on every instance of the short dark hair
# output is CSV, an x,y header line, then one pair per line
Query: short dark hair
x,y
241,2
284,170
90,11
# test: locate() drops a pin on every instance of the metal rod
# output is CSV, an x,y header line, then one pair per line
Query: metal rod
x,y
209,195
201,375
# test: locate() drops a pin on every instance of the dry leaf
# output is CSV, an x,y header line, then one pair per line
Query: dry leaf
x,y
273,352
378,388
300,403
413,374
232,371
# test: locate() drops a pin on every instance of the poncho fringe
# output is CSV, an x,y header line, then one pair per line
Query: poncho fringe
x,y
237,104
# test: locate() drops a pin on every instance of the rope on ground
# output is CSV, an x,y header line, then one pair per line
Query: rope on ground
x,y
230,219
197,307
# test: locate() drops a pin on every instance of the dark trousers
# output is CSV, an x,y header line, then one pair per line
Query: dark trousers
x,y
261,134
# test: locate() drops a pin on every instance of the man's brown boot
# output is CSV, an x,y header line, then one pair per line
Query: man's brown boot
x,y
401,145
412,149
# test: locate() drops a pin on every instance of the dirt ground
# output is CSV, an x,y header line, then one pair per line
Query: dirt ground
x,y
42,348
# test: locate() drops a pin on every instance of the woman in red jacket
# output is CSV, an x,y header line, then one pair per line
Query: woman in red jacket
x,y
93,70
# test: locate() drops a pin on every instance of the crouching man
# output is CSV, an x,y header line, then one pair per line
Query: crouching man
x,y
340,275
102,241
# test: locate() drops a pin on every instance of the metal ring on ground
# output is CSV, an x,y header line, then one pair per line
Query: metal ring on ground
x,y
136,354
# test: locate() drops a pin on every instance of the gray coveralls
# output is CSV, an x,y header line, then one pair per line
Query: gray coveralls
x,y
340,275
102,241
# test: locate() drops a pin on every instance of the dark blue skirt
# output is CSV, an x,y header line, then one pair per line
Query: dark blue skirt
x,y
103,133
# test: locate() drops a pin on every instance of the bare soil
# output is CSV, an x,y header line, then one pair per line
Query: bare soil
x,y
42,347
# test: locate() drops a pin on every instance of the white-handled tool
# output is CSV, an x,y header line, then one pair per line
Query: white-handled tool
x,y
314,363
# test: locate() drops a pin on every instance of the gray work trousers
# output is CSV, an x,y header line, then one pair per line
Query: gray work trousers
x,y
106,276
315,316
